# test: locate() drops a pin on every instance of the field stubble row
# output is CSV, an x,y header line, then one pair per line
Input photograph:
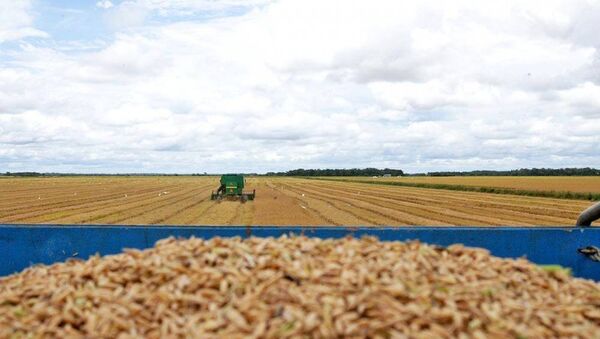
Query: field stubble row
x,y
439,201
280,201
565,187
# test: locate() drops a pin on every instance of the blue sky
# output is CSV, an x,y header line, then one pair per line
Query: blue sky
x,y
71,20
260,85
66,20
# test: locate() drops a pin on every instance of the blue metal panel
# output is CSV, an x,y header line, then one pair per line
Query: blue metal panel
x,y
24,245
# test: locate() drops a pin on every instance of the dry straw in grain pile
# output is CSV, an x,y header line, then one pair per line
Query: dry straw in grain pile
x,y
297,287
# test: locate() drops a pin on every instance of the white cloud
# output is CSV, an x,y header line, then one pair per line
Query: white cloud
x,y
16,21
427,85
136,13
583,99
127,15
104,4
187,7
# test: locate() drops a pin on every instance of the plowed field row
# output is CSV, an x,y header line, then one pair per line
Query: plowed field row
x,y
279,201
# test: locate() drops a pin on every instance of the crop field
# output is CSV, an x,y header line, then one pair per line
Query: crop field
x,y
558,184
279,201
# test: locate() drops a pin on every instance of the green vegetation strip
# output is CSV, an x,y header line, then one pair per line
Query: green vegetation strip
x,y
481,189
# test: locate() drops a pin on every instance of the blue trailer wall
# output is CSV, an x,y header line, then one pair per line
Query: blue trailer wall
x,y
24,245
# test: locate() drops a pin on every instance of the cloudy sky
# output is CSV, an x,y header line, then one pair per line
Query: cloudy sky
x,y
258,85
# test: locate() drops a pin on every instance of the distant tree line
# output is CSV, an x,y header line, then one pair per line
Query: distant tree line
x,y
587,171
338,172
52,174
24,174
353,172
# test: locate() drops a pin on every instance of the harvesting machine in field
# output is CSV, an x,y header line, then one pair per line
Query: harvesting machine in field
x,y
232,187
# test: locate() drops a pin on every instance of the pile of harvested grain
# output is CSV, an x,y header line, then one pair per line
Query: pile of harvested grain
x,y
291,286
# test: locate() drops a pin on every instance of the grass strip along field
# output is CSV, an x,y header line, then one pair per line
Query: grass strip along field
x,y
592,196
279,201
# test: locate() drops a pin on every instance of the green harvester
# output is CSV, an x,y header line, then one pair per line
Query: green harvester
x,y
232,188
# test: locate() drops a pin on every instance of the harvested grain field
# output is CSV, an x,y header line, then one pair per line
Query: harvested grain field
x,y
280,201
580,184
296,287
